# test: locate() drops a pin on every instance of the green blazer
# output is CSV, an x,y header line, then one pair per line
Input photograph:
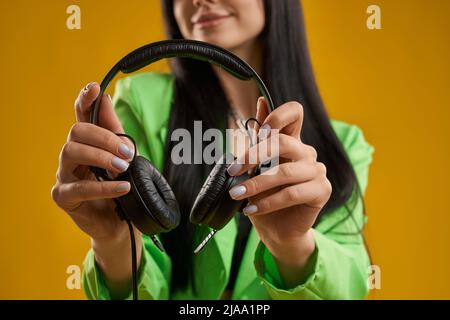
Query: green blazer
x,y
339,264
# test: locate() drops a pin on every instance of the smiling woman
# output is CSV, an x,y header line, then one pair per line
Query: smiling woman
x,y
227,25
300,235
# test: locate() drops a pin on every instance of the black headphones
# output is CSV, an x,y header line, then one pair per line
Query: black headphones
x,y
151,205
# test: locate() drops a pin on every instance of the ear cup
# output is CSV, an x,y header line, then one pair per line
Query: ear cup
x,y
151,204
208,193
214,206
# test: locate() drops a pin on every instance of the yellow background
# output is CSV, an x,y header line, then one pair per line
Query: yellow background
x,y
392,82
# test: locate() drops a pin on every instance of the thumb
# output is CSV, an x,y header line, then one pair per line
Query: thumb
x,y
262,110
107,117
109,120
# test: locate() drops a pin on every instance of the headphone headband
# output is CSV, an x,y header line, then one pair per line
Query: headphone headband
x,y
181,48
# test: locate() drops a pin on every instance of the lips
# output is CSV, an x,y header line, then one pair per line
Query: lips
x,y
209,20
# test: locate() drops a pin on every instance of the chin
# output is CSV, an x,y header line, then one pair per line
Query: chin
x,y
226,41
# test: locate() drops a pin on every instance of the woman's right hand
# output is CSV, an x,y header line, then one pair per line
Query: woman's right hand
x,y
87,201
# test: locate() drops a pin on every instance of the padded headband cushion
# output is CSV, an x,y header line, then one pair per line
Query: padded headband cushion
x,y
187,49
156,193
209,193
181,48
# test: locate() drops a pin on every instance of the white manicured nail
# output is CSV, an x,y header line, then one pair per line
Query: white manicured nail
x,y
126,151
237,191
264,132
123,187
250,209
234,168
120,164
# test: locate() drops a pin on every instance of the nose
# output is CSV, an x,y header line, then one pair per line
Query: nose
x,y
199,3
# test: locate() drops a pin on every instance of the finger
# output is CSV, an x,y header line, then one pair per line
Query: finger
x,y
313,193
84,101
70,195
287,118
284,174
107,117
75,154
262,110
95,136
278,145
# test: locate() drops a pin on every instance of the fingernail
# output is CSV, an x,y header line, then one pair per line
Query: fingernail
x,y
264,132
120,164
234,168
250,209
258,103
237,191
88,86
126,151
109,97
122,187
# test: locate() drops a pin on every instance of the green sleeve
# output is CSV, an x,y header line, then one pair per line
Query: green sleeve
x,y
153,277
155,268
338,269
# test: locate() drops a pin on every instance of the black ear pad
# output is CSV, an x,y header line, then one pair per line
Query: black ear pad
x,y
151,204
208,193
214,206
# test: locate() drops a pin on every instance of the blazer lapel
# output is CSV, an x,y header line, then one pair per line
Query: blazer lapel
x,y
247,273
213,264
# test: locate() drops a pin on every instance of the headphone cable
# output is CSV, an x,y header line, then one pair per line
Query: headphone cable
x,y
133,261
132,240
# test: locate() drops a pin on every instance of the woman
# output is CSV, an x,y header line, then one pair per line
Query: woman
x,y
305,239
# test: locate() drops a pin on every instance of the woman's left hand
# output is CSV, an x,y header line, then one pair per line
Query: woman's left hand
x,y
284,201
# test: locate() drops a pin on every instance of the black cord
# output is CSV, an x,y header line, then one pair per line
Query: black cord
x,y
133,261
251,119
252,143
102,174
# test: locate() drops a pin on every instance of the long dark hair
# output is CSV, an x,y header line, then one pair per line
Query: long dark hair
x,y
198,95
